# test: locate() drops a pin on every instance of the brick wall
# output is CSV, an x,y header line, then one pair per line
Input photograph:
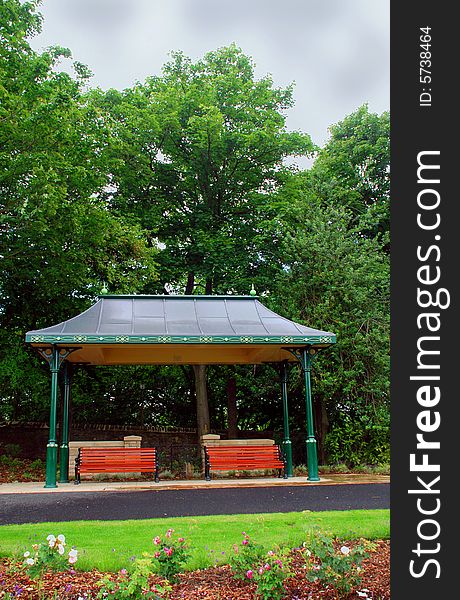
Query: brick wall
x,y
174,444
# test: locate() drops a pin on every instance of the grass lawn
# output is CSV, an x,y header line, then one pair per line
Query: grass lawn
x,y
109,545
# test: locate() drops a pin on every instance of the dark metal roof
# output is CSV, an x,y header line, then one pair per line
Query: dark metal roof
x,y
179,320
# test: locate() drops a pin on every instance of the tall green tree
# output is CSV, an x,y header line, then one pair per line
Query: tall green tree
x,y
196,154
59,240
353,171
337,279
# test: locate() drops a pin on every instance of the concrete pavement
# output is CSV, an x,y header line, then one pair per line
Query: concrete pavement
x,y
190,484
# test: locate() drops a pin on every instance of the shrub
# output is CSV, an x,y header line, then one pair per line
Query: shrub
x,y
166,474
334,565
338,468
300,471
246,557
37,464
167,561
49,556
170,556
381,469
268,570
271,574
11,463
362,439
12,450
133,585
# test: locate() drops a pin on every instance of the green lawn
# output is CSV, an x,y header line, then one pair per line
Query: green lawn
x,y
108,545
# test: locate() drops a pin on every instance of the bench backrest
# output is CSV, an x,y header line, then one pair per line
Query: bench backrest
x,y
113,459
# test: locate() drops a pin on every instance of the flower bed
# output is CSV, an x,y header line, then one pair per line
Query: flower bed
x,y
206,584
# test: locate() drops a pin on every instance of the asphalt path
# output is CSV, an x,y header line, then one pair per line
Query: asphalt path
x,y
149,504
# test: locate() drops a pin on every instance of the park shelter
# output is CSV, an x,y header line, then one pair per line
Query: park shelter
x,y
180,330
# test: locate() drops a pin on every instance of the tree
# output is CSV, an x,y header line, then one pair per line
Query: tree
x,y
196,154
338,280
59,240
353,171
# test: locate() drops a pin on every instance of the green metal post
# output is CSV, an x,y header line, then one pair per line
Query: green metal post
x,y
64,449
52,446
287,446
312,455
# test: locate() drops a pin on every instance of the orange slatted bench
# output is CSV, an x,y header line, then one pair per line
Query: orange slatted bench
x,y
243,458
116,460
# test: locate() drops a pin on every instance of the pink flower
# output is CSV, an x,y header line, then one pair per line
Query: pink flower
x,y
249,574
245,542
72,560
157,555
267,567
123,571
169,533
168,551
261,570
157,540
181,540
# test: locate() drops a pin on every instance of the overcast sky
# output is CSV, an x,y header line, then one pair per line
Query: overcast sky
x,y
337,51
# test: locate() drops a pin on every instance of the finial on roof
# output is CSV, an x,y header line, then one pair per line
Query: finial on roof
x,y
104,288
253,291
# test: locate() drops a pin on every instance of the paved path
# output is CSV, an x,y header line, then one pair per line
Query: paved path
x,y
147,504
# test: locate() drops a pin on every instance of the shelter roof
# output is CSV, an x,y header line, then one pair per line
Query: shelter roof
x,y
179,329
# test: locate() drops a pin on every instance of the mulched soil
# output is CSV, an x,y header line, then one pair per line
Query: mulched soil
x,y
209,584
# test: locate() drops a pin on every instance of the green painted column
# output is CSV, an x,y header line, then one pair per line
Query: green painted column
x,y
52,446
64,449
287,445
312,455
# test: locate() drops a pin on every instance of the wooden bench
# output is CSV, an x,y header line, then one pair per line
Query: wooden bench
x,y
243,458
116,460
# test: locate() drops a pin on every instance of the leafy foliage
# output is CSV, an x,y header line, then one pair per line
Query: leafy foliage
x,y
195,154
268,570
59,240
134,584
49,555
339,567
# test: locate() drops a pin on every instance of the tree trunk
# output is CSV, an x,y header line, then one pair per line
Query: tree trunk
x,y
232,410
190,284
201,392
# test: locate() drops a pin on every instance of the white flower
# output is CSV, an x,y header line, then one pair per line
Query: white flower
x,y
61,549
30,561
345,550
73,556
26,554
61,539
51,540
362,594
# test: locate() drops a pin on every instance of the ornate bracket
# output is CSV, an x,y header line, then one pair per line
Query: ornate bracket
x,y
56,356
304,358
